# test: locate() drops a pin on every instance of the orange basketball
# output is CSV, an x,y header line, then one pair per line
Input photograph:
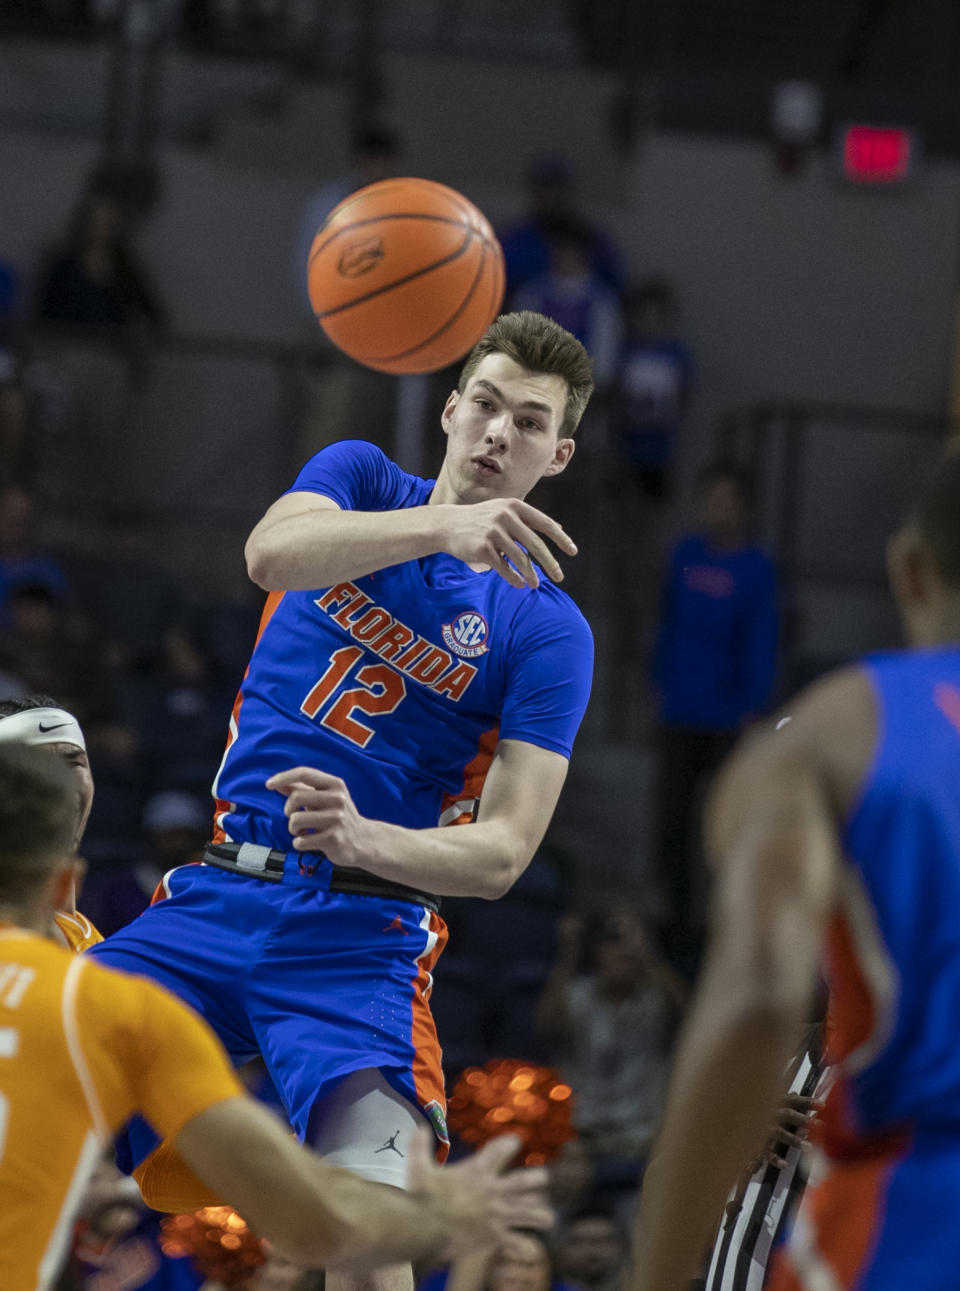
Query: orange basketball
x,y
405,275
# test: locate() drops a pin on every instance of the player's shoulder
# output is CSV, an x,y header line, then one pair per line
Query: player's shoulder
x,y
124,998
29,949
544,609
828,707
356,472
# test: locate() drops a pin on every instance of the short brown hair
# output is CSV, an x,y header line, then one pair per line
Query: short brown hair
x,y
37,818
540,345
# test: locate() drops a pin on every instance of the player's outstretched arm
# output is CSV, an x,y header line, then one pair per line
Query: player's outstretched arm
x,y
305,540
483,859
319,1215
771,830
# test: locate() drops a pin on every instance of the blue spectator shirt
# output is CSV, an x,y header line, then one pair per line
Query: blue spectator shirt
x,y
716,650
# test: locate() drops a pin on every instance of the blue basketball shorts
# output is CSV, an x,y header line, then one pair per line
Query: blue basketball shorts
x,y
319,983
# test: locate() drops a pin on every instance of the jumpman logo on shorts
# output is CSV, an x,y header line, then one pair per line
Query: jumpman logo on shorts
x,y
391,1145
396,926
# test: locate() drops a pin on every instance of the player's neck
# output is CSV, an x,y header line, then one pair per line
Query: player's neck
x,y
30,920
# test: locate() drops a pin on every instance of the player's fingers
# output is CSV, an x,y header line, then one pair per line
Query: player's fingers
x,y
298,777
420,1159
500,565
526,1179
530,1214
794,1116
532,546
521,561
799,1103
545,524
310,843
521,1248
498,1153
304,799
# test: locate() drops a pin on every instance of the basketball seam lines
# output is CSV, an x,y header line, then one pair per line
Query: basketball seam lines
x,y
400,282
398,215
392,358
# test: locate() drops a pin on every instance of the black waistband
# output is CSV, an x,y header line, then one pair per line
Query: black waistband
x,y
266,863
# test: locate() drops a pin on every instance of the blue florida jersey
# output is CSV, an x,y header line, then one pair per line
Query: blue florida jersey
x,y
881,1208
400,682
895,947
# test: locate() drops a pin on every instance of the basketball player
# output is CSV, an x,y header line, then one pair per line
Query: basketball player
x,y
81,1047
38,720
837,838
418,670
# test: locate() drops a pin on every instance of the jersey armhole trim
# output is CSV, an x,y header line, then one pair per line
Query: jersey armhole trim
x,y
71,1031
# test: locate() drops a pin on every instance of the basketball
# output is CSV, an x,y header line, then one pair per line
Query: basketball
x,y
405,275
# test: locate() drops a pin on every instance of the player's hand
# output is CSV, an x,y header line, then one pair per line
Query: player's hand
x,y
321,815
481,1202
505,534
789,1131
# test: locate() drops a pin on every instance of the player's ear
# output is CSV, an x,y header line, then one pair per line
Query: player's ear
x,y
453,398
564,451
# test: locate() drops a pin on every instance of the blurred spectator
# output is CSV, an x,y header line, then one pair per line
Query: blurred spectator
x,y
117,1243
95,280
573,294
647,403
52,652
572,1178
181,711
8,314
550,202
611,1028
374,155
175,827
344,400
489,981
133,601
652,386
714,669
592,1251
21,560
499,1272
19,431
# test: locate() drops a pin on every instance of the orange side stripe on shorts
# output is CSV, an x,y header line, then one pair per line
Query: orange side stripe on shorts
x,y
427,1065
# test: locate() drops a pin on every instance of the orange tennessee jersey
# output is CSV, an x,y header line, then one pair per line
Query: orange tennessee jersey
x,y
78,930
81,1049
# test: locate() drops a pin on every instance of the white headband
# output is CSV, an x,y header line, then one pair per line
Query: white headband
x,y
42,726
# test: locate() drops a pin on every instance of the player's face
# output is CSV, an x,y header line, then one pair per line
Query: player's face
x,y
503,431
76,761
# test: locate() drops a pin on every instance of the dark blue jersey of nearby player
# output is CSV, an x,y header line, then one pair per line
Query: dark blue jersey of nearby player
x,y
895,949
400,682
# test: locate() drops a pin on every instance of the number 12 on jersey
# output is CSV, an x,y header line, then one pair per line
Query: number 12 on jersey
x,y
380,691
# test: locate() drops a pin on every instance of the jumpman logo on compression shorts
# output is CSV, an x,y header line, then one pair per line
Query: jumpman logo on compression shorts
x,y
391,1145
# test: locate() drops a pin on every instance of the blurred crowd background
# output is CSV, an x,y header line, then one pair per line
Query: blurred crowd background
x,y
772,326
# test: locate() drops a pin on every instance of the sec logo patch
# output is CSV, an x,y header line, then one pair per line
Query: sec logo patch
x,y
466,635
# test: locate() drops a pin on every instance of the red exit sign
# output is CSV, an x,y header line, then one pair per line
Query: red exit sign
x,y
881,155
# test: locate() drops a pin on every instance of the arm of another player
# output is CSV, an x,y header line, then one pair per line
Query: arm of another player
x,y
482,859
771,830
304,540
317,1214
150,1053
